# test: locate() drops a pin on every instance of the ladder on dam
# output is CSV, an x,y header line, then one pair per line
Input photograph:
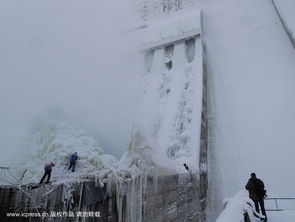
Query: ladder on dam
x,y
4,173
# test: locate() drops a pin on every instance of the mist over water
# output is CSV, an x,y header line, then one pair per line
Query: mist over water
x,y
75,57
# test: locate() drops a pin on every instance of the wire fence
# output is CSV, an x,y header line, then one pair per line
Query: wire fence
x,y
16,183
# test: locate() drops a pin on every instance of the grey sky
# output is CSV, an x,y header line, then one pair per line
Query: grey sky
x,y
71,54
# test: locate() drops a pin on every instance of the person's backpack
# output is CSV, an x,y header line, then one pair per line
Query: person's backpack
x,y
73,157
259,188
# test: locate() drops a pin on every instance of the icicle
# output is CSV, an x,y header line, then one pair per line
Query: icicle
x,y
80,199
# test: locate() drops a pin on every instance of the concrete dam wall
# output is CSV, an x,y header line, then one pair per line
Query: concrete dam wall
x,y
162,198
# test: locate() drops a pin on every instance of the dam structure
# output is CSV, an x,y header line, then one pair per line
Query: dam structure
x,y
150,183
217,85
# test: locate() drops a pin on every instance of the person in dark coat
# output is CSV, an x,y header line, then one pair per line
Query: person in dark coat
x,y
185,166
48,169
73,159
257,193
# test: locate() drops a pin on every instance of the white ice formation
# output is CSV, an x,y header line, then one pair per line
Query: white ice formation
x,y
56,141
237,207
171,105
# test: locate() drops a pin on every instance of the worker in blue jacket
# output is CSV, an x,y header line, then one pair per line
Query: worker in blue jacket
x,y
73,159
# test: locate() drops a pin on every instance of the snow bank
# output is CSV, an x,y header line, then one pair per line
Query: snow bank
x,y
237,207
56,141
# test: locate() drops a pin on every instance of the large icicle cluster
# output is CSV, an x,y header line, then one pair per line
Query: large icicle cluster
x,y
170,109
139,162
56,141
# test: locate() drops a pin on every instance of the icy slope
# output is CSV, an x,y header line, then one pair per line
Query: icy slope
x,y
251,75
56,141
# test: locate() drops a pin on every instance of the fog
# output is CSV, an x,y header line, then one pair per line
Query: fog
x,y
72,55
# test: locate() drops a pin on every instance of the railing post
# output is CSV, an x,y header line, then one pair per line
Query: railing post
x,y
276,201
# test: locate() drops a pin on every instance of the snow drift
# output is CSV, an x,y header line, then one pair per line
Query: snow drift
x,y
237,207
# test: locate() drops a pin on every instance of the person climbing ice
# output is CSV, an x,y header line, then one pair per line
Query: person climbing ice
x,y
188,169
48,168
73,159
185,166
257,193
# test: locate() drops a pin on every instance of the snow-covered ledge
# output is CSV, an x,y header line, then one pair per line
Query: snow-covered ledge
x,y
237,207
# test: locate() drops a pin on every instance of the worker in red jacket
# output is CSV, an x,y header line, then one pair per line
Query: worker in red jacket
x,y
47,169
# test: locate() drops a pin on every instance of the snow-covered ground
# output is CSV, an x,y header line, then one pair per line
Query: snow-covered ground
x,y
251,73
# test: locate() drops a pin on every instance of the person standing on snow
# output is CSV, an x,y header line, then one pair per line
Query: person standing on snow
x,y
257,193
48,169
73,159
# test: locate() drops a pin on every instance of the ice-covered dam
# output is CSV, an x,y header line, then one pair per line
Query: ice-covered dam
x,y
169,198
216,95
171,130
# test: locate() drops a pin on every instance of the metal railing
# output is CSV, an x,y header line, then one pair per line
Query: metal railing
x,y
17,184
276,200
